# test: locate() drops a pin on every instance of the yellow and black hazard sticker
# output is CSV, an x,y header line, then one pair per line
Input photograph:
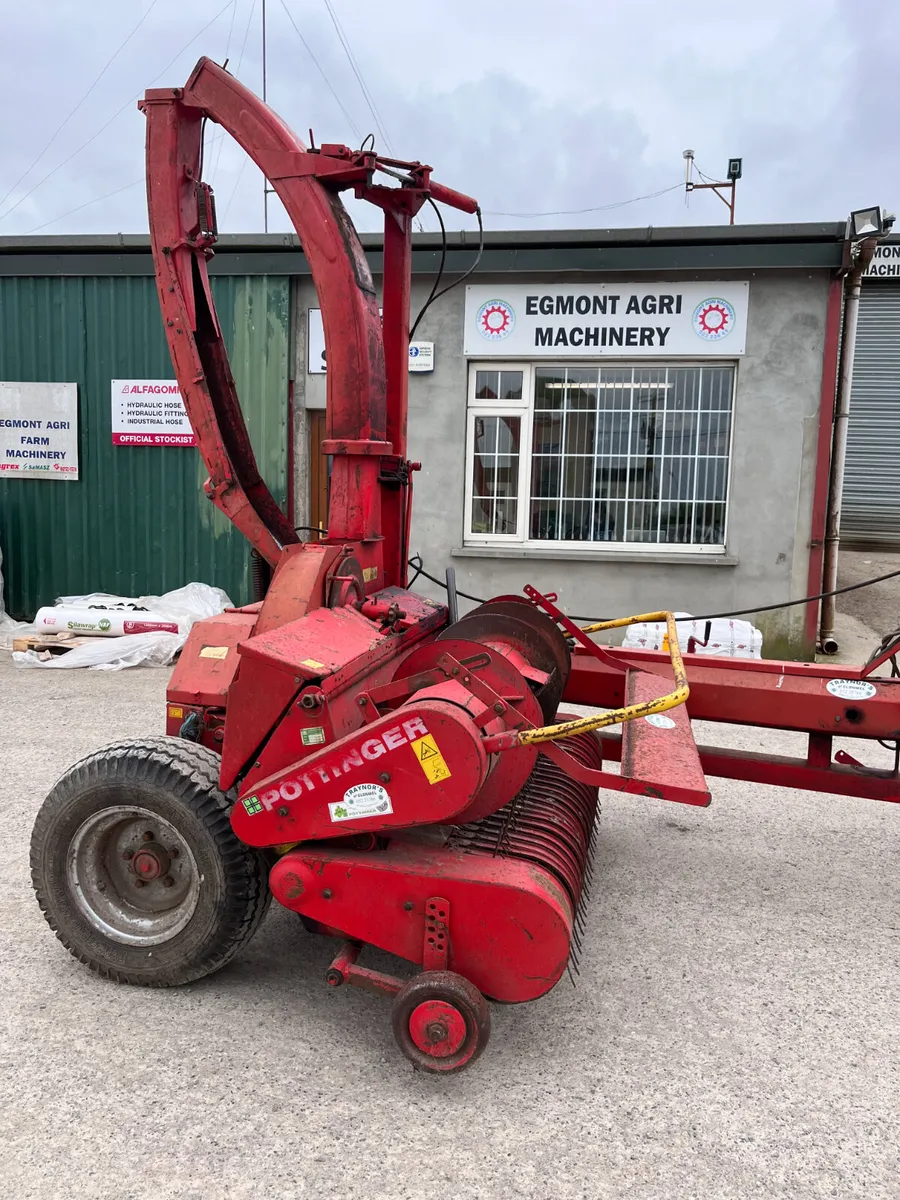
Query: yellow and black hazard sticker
x,y
430,759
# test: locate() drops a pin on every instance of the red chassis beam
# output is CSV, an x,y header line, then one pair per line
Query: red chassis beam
x,y
769,695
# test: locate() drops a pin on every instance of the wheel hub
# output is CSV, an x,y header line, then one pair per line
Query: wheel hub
x,y
151,861
133,875
437,1028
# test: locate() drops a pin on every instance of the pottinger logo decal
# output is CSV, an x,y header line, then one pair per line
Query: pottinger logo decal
x,y
495,320
713,319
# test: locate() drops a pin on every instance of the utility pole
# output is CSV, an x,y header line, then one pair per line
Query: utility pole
x,y
734,174
266,188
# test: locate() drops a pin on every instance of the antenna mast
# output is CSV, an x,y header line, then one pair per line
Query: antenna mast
x,y
735,169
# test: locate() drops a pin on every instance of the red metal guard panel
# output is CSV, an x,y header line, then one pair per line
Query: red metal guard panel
x,y
316,645
510,923
209,660
659,751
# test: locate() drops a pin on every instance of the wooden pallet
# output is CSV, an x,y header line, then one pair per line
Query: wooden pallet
x,y
53,644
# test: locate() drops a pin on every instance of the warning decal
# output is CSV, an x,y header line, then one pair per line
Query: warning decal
x,y
430,759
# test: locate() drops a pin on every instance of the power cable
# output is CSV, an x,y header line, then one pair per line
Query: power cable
x,y
98,199
354,66
237,182
416,563
237,71
574,212
230,30
65,122
364,88
320,69
87,204
117,113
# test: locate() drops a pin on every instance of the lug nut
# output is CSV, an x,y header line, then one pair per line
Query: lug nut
x,y
174,852
139,883
148,836
168,881
128,855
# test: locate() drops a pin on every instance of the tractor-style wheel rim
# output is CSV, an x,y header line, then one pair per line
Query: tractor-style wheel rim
x,y
437,1028
132,875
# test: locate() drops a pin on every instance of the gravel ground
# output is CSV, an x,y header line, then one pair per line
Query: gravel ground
x,y
734,1030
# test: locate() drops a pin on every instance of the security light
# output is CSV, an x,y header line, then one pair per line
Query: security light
x,y
866,222
734,168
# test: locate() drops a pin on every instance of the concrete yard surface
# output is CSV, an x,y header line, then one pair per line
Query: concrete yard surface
x,y
734,1030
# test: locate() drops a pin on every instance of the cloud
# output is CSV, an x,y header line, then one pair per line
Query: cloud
x,y
534,107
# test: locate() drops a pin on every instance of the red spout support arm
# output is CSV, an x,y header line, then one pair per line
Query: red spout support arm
x,y
181,245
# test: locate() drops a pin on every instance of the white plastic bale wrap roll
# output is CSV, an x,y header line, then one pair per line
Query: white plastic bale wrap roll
x,y
728,637
124,643
104,622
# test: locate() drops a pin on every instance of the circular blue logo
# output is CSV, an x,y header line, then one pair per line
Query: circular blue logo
x,y
495,320
713,319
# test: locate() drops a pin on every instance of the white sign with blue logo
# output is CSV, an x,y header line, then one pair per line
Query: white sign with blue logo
x,y
612,320
421,354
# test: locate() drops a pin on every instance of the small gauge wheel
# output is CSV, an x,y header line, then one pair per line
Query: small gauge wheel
x,y
441,1021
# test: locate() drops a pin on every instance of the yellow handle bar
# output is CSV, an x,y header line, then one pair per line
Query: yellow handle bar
x,y
615,716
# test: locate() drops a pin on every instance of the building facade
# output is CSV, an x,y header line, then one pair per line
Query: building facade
x,y
633,419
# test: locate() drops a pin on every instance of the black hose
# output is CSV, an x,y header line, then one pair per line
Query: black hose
x,y
416,562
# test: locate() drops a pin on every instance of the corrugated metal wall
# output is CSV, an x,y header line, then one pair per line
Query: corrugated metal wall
x,y
136,521
871,502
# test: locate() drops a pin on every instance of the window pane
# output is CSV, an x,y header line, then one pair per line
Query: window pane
x,y
709,524
495,475
510,385
487,385
631,454
676,522
686,387
549,384
714,430
547,437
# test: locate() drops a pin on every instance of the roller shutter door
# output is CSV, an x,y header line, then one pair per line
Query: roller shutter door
x,y
871,503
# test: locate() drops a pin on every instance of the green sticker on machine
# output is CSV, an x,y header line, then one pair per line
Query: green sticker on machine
x,y
314,736
253,805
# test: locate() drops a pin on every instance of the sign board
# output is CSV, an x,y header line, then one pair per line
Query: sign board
x,y
149,412
421,354
622,320
39,430
885,262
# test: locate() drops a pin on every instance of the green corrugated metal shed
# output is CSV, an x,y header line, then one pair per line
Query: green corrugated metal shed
x,y
136,521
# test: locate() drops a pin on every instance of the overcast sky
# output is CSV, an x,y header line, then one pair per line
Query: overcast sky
x,y
532,106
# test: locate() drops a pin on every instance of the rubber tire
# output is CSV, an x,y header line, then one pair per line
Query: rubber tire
x,y
456,990
179,780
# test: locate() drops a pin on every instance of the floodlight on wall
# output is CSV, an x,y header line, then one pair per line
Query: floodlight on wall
x,y
868,222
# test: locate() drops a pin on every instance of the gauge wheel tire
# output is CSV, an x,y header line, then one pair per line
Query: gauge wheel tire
x,y
136,867
441,1021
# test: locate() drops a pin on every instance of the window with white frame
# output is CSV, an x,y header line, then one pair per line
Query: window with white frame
x,y
576,455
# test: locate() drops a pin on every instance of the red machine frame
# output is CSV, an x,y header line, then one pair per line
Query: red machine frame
x,y
342,682
366,425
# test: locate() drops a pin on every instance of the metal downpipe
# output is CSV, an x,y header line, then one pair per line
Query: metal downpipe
x,y
852,288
